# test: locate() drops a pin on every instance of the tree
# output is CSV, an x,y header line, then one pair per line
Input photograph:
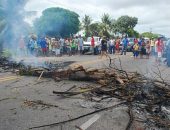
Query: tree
x,y
124,23
114,27
132,33
106,24
57,22
149,35
86,24
95,29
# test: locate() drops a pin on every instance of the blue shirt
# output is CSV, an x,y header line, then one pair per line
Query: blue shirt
x,y
43,43
80,41
125,42
140,42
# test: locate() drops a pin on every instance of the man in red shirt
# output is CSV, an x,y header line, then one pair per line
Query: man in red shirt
x,y
93,44
159,49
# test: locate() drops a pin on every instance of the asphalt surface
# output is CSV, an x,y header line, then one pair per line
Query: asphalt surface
x,y
16,113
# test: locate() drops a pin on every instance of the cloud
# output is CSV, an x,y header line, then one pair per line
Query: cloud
x,y
153,14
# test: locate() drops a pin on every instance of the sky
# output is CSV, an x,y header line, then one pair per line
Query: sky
x,y
153,15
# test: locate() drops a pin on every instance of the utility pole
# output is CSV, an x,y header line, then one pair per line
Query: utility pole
x,y
151,33
150,30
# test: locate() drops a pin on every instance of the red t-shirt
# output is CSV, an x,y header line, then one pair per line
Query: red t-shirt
x,y
92,42
159,46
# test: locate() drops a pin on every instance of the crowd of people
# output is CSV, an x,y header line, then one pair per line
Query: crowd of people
x,y
46,46
140,48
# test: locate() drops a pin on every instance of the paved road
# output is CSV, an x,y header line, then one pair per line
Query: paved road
x,y
17,114
147,67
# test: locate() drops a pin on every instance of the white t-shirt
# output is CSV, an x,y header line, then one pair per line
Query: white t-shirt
x,y
112,42
156,46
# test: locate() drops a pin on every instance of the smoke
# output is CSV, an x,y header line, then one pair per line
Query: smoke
x,y
12,23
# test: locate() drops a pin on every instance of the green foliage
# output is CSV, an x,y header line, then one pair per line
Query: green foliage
x,y
149,35
86,25
133,33
114,26
106,24
106,20
124,23
57,22
94,29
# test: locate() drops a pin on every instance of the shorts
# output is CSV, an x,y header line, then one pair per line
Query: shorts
x,y
159,54
44,49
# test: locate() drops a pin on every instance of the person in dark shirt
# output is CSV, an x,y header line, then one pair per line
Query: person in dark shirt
x,y
104,47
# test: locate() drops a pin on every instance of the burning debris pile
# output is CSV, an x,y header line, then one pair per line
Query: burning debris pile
x,y
7,64
148,100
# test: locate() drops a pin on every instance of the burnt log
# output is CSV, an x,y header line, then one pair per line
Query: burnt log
x,y
79,76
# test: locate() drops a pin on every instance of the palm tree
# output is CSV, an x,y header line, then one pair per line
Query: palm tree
x,y
114,26
86,24
95,28
106,24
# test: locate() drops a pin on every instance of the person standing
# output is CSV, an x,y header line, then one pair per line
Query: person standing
x,y
68,47
118,45
135,41
168,54
31,45
104,47
73,47
57,47
148,49
124,45
142,49
49,47
112,46
159,50
80,45
76,42
61,46
93,45
43,44
136,50
22,46
152,45
155,50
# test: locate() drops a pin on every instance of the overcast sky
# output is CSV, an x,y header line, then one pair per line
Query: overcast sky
x,y
153,15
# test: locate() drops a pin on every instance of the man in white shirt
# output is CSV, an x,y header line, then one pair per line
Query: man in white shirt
x,y
80,45
112,46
